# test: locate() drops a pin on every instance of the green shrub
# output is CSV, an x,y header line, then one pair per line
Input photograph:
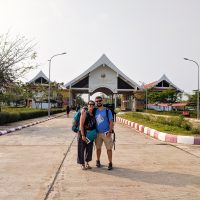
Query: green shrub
x,y
195,131
187,126
117,110
15,115
9,117
3,118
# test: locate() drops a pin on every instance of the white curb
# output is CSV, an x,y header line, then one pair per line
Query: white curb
x,y
3,132
185,139
160,135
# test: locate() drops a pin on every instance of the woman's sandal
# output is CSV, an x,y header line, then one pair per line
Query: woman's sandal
x,y
88,166
83,167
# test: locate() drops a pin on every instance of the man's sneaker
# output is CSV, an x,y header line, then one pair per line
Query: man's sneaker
x,y
98,164
110,166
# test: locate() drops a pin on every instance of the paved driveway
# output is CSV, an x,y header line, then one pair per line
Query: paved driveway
x,y
39,162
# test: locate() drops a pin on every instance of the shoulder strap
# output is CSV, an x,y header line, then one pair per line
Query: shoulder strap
x,y
107,110
94,111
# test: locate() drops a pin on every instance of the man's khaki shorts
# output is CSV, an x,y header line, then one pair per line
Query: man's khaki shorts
x,y
108,141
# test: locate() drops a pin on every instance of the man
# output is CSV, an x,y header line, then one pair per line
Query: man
x,y
104,127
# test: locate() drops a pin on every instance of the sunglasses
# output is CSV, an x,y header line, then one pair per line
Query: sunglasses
x,y
98,101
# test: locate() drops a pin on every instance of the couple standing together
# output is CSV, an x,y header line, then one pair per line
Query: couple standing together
x,y
102,121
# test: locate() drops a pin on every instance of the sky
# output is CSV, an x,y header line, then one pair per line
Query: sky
x,y
143,38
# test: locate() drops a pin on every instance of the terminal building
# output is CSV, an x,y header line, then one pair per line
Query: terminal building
x,y
103,76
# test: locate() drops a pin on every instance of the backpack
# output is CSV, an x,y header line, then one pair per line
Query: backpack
x,y
76,120
111,107
77,116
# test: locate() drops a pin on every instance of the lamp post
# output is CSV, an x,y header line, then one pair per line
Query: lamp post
x,y
49,107
1,96
198,86
146,100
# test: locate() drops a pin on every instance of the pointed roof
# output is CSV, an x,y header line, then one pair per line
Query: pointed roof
x,y
39,75
103,60
163,78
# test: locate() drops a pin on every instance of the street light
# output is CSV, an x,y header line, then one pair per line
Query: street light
x,y
49,107
198,86
145,94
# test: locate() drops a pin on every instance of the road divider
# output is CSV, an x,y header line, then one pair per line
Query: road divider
x,y
10,130
160,135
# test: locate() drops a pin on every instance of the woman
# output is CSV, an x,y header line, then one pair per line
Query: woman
x,y
87,123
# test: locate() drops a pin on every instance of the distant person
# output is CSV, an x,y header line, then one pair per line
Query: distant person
x,y
85,148
104,125
68,110
78,108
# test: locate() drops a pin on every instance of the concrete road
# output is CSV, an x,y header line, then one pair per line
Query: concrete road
x,y
39,162
30,158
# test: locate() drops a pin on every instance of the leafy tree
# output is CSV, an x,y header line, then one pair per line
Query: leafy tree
x,y
40,94
80,100
16,58
27,92
165,96
17,93
14,94
192,98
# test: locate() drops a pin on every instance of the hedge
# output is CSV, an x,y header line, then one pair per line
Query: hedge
x,y
8,117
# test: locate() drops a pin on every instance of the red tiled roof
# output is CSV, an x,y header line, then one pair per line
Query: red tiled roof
x,y
149,85
164,104
179,104
168,104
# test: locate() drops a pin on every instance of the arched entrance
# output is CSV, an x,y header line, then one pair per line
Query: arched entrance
x,y
104,76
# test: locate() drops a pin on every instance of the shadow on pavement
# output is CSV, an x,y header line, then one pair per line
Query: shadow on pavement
x,y
157,177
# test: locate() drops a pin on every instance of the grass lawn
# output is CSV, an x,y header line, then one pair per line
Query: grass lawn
x,y
175,130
